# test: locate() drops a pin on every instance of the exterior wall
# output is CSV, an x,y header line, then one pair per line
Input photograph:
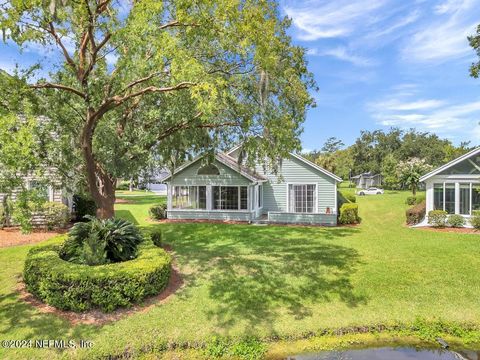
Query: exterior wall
x,y
295,171
210,215
296,218
188,176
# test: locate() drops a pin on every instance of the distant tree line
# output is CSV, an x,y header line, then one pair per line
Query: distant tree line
x,y
381,152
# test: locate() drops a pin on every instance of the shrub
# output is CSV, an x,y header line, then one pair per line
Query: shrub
x,y
56,215
350,197
123,185
349,214
83,206
119,239
456,221
416,213
157,238
415,200
75,287
475,219
437,218
158,212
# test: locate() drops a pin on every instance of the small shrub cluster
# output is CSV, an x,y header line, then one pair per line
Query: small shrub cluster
x,y
83,206
416,213
475,219
75,287
101,241
247,349
158,212
56,215
415,200
157,238
456,221
349,214
123,185
437,218
350,197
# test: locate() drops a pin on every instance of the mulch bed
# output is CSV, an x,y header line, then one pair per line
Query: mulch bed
x,y
13,236
123,201
207,221
450,230
97,317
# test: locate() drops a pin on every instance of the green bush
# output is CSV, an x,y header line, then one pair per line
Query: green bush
x,y
158,212
75,287
415,200
456,221
475,219
437,218
416,213
56,215
349,214
123,185
118,238
83,206
157,238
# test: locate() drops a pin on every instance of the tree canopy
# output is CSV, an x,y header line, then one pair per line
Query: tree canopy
x,y
161,79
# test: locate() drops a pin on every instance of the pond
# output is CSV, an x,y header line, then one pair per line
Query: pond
x,y
401,353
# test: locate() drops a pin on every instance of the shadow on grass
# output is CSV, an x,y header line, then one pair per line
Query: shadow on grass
x,y
126,215
255,273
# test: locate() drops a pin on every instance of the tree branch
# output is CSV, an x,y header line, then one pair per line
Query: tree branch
x,y
59,87
51,30
175,23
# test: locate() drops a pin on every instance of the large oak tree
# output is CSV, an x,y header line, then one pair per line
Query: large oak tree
x,y
149,79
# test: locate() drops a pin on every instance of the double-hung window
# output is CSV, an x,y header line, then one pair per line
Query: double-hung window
x,y
302,198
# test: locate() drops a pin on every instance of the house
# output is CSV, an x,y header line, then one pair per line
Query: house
x,y
301,192
367,180
455,187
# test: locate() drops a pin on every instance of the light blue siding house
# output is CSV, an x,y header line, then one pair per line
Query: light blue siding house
x,y
301,192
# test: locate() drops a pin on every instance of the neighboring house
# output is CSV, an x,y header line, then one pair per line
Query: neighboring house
x,y
455,187
367,180
301,192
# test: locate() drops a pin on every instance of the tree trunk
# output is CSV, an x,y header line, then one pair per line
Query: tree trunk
x,y
100,184
414,189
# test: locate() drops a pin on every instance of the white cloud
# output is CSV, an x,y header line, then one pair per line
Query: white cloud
x,y
445,37
344,54
457,120
331,19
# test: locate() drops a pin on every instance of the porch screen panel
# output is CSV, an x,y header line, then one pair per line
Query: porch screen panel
x,y
475,197
465,199
301,198
243,198
450,198
230,197
438,196
189,197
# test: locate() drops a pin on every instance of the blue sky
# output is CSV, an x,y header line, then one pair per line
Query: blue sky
x,y
383,63
378,63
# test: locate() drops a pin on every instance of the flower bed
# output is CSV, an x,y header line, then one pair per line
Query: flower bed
x,y
76,287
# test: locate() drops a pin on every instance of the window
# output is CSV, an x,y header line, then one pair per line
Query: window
x,y
465,199
229,197
302,198
438,196
475,197
260,196
40,188
189,197
209,169
450,198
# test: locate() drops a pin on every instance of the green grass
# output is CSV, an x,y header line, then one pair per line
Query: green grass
x,y
245,280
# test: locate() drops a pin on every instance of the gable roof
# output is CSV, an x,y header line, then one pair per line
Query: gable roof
x,y
301,158
229,162
450,164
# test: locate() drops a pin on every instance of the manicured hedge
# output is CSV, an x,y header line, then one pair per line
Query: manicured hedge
x,y
475,219
416,213
437,218
70,286
349,214
158,212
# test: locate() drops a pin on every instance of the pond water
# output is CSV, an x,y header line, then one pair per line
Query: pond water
x,y
401,353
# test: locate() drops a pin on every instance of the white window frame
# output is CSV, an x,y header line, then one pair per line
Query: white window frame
x,y
315,197
239,197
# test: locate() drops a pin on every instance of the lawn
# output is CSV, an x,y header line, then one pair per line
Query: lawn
x,y
274,280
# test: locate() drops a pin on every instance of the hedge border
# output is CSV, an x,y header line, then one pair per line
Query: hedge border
x,y
76,287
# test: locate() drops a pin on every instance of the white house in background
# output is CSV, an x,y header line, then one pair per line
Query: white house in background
x,y
455,187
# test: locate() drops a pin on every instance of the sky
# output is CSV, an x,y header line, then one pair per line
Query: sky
x,y
384,63
378,64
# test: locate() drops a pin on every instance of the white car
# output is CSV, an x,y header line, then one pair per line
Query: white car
x,y
370,191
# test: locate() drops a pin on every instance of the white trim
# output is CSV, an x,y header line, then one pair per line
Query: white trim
x,y
336,199
302,183
450,164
